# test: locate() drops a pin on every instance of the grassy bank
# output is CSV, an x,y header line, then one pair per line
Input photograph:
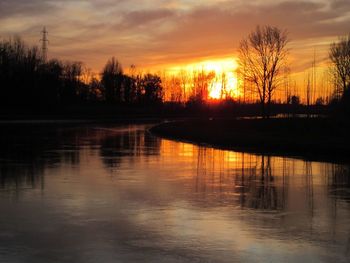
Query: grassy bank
x,y
315,138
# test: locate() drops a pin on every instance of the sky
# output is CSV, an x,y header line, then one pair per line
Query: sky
x,y
160,34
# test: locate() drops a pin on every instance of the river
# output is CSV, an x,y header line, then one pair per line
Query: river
x,y
116,193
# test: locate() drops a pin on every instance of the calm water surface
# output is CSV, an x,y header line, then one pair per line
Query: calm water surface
x,y
115,193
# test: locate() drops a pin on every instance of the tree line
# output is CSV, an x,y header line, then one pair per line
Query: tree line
x,y
27,81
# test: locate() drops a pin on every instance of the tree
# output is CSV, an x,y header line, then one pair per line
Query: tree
x,y
340,57
319,101
129,89
262,55
184,81
294,100
112,79
173,88
50,81
152,89
71,82
201,81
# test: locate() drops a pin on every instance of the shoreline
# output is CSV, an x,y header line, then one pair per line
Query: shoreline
x,y
316,139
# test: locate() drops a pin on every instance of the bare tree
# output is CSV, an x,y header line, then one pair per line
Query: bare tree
x,y
340,57
262,54
184,82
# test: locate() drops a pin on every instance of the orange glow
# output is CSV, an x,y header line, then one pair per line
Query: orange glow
x,y
224,83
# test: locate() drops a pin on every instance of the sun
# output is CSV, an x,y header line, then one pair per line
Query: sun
x,y
225,86
224,83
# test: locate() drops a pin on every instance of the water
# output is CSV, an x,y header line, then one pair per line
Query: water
x,y
115,193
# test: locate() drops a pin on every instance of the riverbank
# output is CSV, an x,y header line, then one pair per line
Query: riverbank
x,y
314,139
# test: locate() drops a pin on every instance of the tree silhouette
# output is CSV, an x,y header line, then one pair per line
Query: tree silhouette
x,y
152,89
51,80
71,74
112,78
262,55
340,57
129,90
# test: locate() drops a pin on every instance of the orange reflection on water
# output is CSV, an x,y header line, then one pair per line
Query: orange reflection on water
x,y
253,181
142,195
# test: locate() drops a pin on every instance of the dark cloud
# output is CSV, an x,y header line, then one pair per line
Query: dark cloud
x,y
145,17
10,8
340,4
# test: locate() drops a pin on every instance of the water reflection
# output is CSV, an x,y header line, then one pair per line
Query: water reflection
x,y
28,150
127,143
339,182
266,182
117,193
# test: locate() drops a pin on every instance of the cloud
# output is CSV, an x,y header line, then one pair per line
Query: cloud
x,y
17,8
145,17
159,32
219,28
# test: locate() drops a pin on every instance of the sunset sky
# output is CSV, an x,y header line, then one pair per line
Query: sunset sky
x,y
162,34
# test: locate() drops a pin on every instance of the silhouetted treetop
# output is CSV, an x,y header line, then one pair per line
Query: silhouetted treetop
x,y
340,57
262,55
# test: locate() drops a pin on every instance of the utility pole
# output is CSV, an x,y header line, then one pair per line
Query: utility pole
x,y
44,42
